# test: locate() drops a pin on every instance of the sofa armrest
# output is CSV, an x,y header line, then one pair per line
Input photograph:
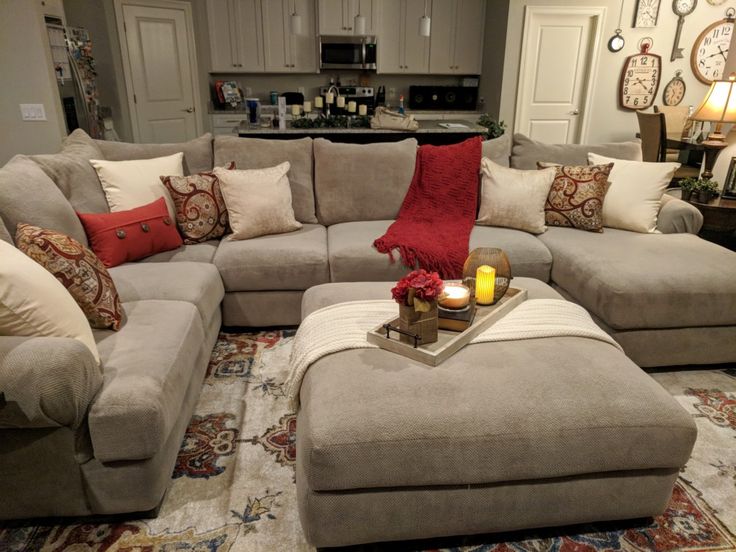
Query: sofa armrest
x,y
678,217
46,382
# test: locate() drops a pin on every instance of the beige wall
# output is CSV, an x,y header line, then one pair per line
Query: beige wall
x,y
28,77
494,45
607,121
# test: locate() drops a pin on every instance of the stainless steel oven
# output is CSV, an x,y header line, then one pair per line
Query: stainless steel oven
x,y
347,52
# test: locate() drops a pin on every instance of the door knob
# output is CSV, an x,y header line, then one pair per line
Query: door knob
x,y
189,110
575,112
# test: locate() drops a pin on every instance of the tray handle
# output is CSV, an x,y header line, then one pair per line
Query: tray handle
x,y
389,328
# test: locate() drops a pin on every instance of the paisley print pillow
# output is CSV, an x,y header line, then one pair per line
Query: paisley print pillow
x,y
201,214
576,197
78,269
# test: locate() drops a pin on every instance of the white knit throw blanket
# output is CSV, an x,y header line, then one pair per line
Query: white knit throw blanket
x,y
344,326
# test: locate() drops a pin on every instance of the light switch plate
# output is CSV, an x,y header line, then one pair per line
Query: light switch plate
x,y
33,112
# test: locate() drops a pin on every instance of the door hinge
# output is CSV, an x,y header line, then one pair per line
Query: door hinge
x,y
135,100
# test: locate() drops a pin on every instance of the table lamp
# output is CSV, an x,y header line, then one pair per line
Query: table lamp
x,y
719,106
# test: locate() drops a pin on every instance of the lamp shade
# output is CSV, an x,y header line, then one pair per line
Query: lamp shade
x,y
359,25
425,25
719,104
296,24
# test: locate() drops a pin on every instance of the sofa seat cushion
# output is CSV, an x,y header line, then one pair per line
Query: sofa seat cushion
x,y
643,281
196,283
354,259
197,252
494,412
146,368
292,261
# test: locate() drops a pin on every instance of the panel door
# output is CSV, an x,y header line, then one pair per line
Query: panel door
x,y
248,34
223,46
157,41
469,26
391,39
303,54
416,47
277,35
442,39
367,9
333,17
555,70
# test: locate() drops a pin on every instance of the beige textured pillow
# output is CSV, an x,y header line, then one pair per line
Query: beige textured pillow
x,y
635,194
514,198
34,303
258,201
131,184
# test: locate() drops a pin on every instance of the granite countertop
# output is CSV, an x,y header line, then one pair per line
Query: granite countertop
x,y
426,126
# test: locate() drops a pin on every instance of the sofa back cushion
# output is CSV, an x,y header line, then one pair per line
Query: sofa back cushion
x,y
4,234
197,152
256,153
361,182
527,152
71,171
498,149
28,195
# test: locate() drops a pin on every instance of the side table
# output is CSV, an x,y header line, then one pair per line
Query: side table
x,y
719,221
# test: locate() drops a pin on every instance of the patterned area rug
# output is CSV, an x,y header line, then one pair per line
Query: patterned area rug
x,y
233,484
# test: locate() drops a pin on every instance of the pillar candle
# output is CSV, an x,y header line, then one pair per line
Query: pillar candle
x,y
330,97
363,110
456,296
295,110
307,107
485,284
318,102
352,106
341,101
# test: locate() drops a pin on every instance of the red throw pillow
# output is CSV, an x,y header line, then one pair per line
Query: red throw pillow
x,y
124,236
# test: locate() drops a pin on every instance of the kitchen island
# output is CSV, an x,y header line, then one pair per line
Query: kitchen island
x,y
429,132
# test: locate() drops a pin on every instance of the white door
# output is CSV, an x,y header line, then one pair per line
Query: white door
x,y
469,25
416,47
158,50
223,45
560,46
248,32
442,37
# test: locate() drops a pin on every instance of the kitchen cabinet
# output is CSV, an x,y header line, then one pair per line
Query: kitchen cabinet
x,y
235,31
456,44
286,52
400,47
337,17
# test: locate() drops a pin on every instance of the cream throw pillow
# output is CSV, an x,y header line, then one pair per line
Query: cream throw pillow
x,y
635,194
34,303
258,201
514,198
131,184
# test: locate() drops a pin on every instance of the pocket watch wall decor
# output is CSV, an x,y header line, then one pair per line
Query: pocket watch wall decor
x,y
682,8
716,2
616,42
710,50
640,78
646,13
674,91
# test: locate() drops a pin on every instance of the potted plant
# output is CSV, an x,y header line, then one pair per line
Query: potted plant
x,y
707,189
417,294
495,129
688,185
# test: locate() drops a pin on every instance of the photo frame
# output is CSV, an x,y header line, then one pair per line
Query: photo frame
x,y
729,186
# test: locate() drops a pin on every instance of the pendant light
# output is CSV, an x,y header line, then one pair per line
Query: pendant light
x,y
425,22
359,23
296,22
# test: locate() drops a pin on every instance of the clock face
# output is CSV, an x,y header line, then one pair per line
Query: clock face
x,y
646,13
710,51
684,7
640,81
716,2
674,92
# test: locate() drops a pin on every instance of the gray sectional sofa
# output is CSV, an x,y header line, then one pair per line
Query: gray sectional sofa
x,y
75,440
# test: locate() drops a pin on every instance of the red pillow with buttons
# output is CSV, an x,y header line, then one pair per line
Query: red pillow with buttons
x,y
125,236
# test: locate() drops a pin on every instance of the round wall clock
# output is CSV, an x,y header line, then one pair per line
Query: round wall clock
x,y
640,78
710,50
716,2
674,91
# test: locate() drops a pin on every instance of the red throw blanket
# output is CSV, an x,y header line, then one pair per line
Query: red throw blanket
x,y
437,216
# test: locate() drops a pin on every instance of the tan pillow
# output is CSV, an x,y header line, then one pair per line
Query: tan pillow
x,y
635,194
131,184
34,303
258,201
514,198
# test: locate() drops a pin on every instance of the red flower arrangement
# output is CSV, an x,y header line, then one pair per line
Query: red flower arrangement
x,y
418,288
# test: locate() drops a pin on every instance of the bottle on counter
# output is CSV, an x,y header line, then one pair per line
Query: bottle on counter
x,y
401,104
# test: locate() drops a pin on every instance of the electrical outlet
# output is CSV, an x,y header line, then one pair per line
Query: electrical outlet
x,y
300,90
32,112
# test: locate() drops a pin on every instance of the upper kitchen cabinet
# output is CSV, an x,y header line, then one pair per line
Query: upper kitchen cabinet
x,y
400,47
236,43
337,17
286,52
456,42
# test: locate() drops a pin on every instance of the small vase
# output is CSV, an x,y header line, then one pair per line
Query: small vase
x,y
704,197
687,195
423,324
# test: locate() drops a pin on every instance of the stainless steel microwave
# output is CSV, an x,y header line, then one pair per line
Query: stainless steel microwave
x,y
347,52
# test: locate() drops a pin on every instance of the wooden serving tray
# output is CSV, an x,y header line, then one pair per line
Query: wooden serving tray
x,y
448,342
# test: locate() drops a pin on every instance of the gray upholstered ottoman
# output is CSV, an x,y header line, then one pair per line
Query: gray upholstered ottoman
x,y
502,436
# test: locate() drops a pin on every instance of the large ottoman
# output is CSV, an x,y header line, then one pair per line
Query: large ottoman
x,y
502,436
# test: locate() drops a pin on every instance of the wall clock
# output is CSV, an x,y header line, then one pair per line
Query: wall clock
x,y
716,2
646,13
682,8
640,78
674,91
710,50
